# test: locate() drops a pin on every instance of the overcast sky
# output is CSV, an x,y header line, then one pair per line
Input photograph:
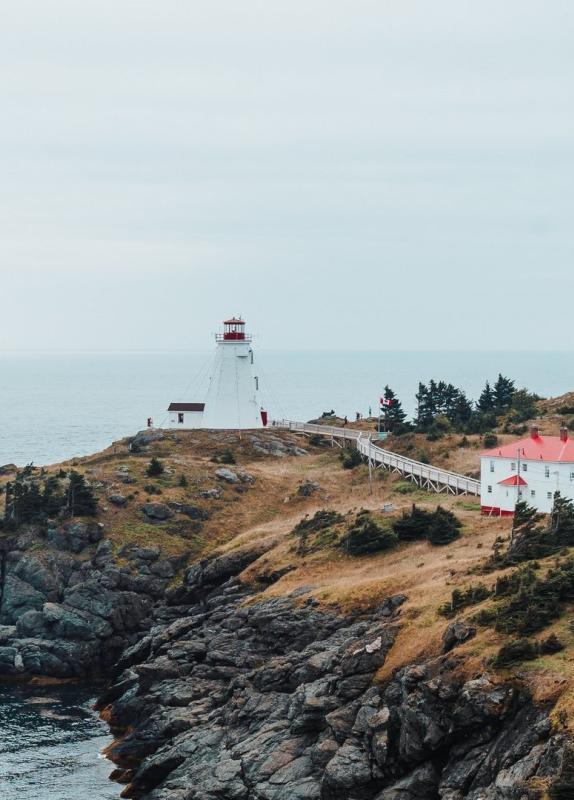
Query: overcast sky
x,y
394,175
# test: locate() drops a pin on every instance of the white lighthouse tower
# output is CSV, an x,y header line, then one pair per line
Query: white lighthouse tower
x,y
232,400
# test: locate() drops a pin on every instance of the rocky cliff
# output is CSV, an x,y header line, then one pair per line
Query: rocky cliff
x,y
68,606
278,700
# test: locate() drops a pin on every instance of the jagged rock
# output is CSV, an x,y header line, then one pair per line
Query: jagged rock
x,y
211,494
421,784
308,488
157,512
75,536
457,633
145,438
191,511
8,469
227,475
118,499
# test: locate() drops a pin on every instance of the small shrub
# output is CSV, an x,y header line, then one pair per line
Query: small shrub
x,y
444,527
320,523
490,440
350,458
151,488
413,525
550,645
155,468
183,482
368,536
463,442
516,651
316,440
463,599
405,487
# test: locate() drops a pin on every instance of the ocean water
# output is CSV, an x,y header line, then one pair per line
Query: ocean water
x,y
54,406
50,746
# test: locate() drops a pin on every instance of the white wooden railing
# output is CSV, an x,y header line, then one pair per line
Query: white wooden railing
x,y
427,476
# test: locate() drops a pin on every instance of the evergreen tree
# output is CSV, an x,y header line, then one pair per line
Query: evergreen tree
x,y
52,497
155,468
394,414
80,497
503,392
461,412
444,527
486,401
413,525
523,405
425,408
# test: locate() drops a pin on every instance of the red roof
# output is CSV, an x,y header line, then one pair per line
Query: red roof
x,y
541,448
514,480
234,321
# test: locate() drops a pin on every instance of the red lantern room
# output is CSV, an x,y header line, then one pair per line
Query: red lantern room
x,y
234,330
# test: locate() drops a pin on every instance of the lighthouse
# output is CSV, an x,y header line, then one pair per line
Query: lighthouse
x,y
232,400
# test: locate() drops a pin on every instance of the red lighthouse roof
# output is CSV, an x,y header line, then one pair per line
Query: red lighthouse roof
x,y
234,321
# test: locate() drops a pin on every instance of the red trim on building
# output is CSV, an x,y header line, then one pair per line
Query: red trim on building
x,y
494,511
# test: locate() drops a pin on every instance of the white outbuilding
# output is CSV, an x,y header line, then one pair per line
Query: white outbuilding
x,y
531,469
232,400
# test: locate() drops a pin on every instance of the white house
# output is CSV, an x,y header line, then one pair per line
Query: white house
x,y
232,400
186,415
531,469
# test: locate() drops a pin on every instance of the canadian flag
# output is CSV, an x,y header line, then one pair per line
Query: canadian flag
x,y
385,402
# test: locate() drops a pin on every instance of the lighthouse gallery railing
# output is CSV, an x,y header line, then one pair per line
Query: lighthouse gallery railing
x,y
427,476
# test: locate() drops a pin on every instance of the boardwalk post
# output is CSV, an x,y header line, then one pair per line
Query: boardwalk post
x,y
370,469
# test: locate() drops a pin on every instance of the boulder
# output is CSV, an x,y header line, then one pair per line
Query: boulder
x,y
227,475
118,499
308,488
157,512
457,633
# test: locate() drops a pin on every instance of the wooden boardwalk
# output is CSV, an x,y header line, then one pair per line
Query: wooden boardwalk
x,y
434,479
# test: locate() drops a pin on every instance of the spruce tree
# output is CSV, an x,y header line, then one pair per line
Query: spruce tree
x,y
80,498
486,401
394,414
155,468
425,408
503,392
444,527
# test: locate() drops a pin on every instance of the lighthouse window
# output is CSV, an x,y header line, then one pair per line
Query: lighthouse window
x,y
572,476
525,468
492,466
549,495
532,493
490,490
513,466
546,472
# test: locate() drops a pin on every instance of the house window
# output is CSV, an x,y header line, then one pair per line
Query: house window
x,y
546,472
513,466
492,466
572,476
549,495
532,493
180,418
489,490
525,468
